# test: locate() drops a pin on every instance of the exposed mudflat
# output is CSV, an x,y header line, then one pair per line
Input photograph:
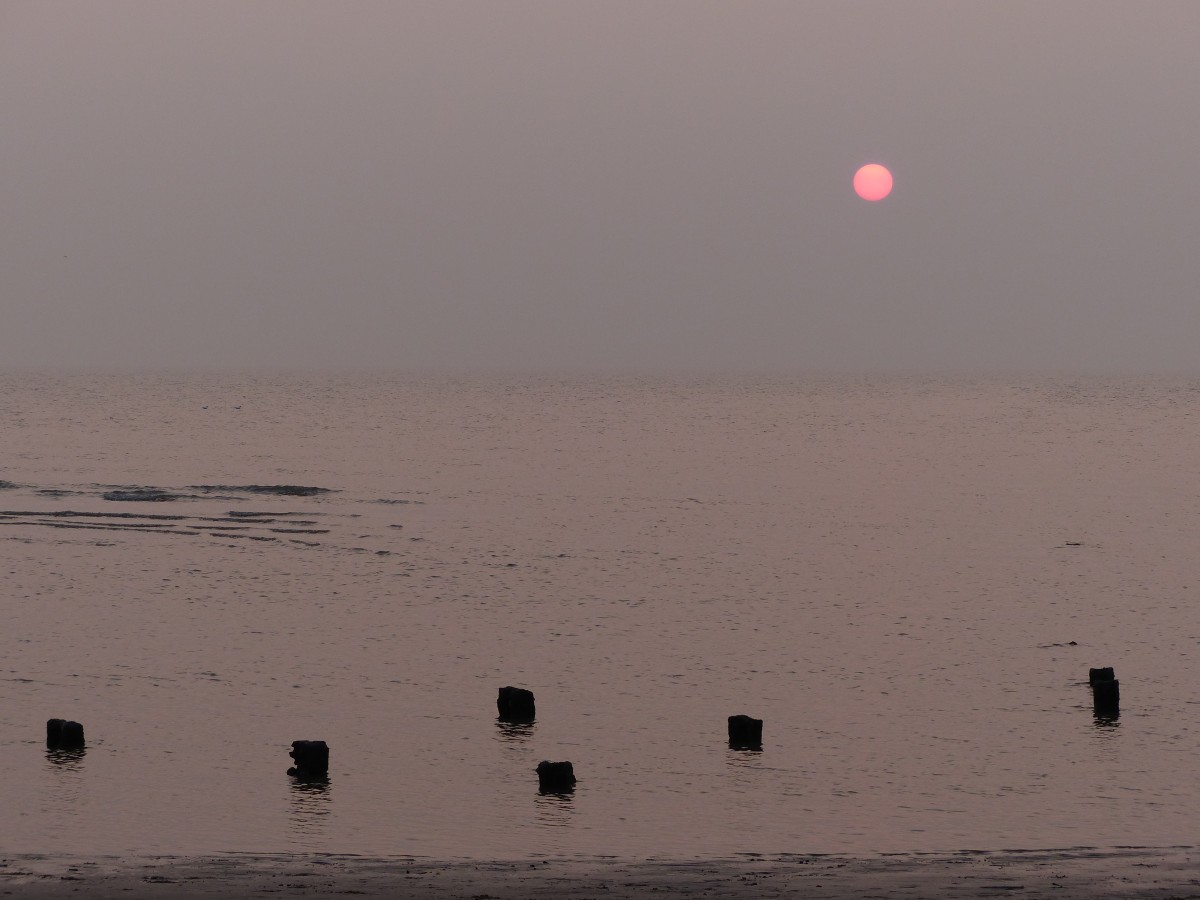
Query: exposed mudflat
x,y
1061,874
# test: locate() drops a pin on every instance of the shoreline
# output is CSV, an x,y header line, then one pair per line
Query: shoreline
x,y
1066,874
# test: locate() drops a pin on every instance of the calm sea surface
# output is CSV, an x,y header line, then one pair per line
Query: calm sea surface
x,y
890,573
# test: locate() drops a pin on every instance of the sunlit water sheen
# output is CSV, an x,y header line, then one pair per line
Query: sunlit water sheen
x,y
880,569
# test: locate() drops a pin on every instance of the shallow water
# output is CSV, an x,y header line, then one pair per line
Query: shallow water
x,y
889,572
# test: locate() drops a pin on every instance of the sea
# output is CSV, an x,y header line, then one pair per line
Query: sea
x,y
906,578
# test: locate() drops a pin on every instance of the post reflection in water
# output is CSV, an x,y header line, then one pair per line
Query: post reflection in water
x,y
743,756
1106,721
310,808
67,779
745,769
67,759
556,808
513,732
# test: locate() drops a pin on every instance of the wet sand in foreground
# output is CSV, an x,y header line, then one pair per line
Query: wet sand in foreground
x,y
1063,874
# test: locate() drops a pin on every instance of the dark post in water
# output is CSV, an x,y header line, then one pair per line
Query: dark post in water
x,y
515,704
62,734
1106,691
555,776
745,733
312,759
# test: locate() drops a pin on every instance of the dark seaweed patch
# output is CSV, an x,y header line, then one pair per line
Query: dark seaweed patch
x,y
262,521
268,517
242,524
161,517
151,495
142,525
6,485
71,514
279,490
140,529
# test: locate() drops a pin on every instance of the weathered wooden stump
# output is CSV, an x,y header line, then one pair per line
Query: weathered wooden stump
x,y
312,759
555,776
54,733
745,733
515,704
1106,698
1106,692
62,734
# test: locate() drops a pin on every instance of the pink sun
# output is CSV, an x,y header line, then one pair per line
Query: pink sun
x,y
873,182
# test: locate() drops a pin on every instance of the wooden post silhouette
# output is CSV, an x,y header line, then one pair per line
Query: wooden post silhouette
x,y
555,776
312,759
516,704
1106,692
745,733
62,734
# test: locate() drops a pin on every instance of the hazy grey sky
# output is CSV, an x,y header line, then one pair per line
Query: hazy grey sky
x,y
601,185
